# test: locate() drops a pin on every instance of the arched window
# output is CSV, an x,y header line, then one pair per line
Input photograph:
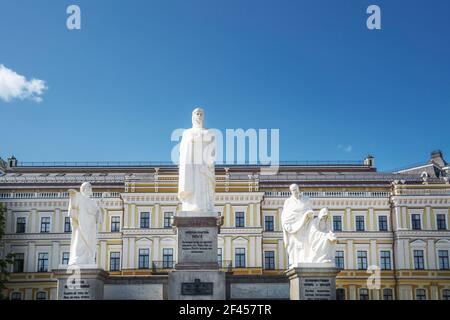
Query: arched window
x,y
16,296
41,295
340,294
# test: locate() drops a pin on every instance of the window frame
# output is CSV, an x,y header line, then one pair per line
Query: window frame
x,y
363,262
43,264
266,222
379,224
115,223
48,225
141,219
115,259
240,256
241,219
271,260
358,222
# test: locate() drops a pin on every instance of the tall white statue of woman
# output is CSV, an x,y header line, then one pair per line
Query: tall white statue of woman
x,y
321,239
196,181
84,215
295,219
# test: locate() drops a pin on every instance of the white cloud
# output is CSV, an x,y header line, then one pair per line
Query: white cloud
x,y
16,86
347,148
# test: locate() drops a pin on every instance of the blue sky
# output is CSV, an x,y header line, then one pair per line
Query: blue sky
x,y
134,72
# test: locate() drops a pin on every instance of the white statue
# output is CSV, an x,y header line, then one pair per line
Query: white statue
x,y
196,182
84,215
321,239
307,239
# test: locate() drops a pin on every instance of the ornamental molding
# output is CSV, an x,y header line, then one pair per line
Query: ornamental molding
x,y
335,203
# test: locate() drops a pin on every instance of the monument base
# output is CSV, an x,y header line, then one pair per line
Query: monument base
x,y
313,281
197,275
80,283
197,285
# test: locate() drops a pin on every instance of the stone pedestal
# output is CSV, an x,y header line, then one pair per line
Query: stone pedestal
x,y
80,284
313,282
197,274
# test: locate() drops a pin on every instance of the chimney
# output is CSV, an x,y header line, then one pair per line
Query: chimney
x,y
369,161
12,162
437,158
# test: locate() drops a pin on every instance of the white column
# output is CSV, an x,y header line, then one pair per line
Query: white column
x,y
57,225
126,213
352,292
228,215
406,253
31,267
34,222
53,294
251,253
348,218
103,254
350,260
399,252
9,221
372,226
28,294
55,255
405,224
228,249
281,255
158,213
397,219
258,252
132,216
427,218
431,254
132,253
156,249
258,214
251,217
373,252
434,293
125,253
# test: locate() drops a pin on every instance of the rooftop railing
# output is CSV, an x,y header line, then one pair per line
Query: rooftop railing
x,y
170,163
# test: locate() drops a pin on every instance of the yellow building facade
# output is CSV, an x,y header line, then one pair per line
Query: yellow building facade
x,y
392,228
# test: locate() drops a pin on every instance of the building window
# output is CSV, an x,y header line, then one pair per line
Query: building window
x,y
443,259
19,259
167,258
363,294
415,222
16,296
219,257
339,259
362,260
382,223
21,225
446,294
145,220
168,220
359,223
43,262
418,260
269,260
340,294
385,260
239,258
441,223
239,220
421,294
65,258
144,258
268,223
114,261
67,225
337,223
41,295
115,224
45,224
387,294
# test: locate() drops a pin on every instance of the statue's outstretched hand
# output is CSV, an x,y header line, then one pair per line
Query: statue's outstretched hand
x,y
332,237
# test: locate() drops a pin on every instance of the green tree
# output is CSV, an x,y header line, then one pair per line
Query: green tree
x,y
8,259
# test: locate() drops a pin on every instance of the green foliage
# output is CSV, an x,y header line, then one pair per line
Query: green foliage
x,y
9,258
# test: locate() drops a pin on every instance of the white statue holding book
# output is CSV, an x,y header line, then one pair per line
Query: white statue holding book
x,y
308,239
196,182
84,215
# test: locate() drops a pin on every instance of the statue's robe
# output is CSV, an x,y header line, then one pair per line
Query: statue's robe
x,y
84,214
296,224
321,248
196,181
